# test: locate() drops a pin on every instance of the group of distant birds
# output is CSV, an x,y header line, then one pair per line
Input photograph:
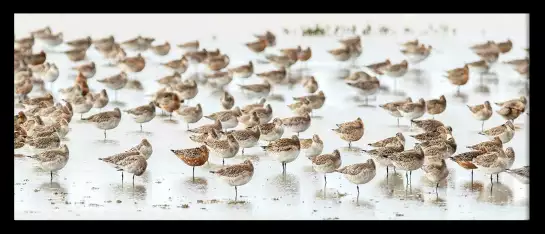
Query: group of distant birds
x,y
44,122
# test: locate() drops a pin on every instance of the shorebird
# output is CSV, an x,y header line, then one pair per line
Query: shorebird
x,y
441,132
41,142
138,44
271,131
489,56
479,67
380,67
509,113
285,150
505,47
217,63
310,84
487,46
282,61
297,124
312,147
481,112
248,108
357,76
246,138
340,54
168,102
417,54
189,46
100,99
304,55
161,50
366,88
274,77
227,100
465,160
227,148
76,54
177,65
228,118
396,140
495,162
106,120
257,90
243,71
40,33
105,42
115,82
132,64
427,125
88,70
449,144
250,120
82,104
264,113
326,163
436,106
236,175
142,114
52,160
316,100
350,131
26,42
413,110
51,40
193,157
458,77
190,114
301,108
380,155
144,148
131,162
360,173
175,78
47,100
396,71
391,107
218,79
436,172
521,174
268,37
186,90
505,132
408,160
488,145
207,128
80,43
518,103
23,89
35,59
257,46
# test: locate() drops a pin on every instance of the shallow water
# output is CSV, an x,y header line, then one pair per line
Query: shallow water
x,y
89,189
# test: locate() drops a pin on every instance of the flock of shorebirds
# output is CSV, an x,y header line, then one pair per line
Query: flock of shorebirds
x,y
44,122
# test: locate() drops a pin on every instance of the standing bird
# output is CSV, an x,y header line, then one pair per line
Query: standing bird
x,y
326,163
236,175
436,172
481,112
310,84
257,90
115,82
285,150
380,155
495,162
521,174
246,138
360,173
366,88
144,148
193,157
88,70
413,110
396,71
186,90
391,107
168,102
436,106
271,131
465,160
142,114
161,50
227,148
408,160
316,100
297,124
135,164
190,114
488,145
105,120
243,71
116,158
505,132
458,77
52,160
396,140
351,131
227,100
312,147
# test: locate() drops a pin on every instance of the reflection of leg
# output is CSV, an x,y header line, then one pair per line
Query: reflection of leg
x,y
482,126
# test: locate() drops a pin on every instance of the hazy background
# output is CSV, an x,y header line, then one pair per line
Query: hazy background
x,y
226,25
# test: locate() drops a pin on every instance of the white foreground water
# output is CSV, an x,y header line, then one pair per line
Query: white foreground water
x,y
89,189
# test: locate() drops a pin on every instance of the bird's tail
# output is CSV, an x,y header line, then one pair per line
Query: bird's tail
x,y
481,133
31,156
212,172
264,147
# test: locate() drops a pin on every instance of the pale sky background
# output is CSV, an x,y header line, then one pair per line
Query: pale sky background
x,y
172,25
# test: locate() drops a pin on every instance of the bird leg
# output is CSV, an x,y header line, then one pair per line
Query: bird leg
x,y
51,172
223,162
132,180
471,180
407,177
458,91
115,95
140,127
242,151
81,117
325,179
358,196
193,174
349,144
398,122
491,179
498,177
411,176
482,127
395,170
104,135
236,193
122,177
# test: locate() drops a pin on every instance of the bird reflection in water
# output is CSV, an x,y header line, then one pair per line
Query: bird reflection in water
x,y
55,190
460,97
497,193
199,184
286,183
489,78
474,186
136,192
391,183
482,89
107,142
341,73
352,151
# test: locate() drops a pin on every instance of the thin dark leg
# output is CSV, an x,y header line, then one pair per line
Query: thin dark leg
x,y
133,180
458,91
104,134
358,196
170,116
411,177
395,170
433,117
236,193
121,177
491,179
325,179
498,177
193,174
471,179
436,187
297,134
223,162
386,172
51,173
407,177
242,151
349,144
81,117
398,122
140,127
482,126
